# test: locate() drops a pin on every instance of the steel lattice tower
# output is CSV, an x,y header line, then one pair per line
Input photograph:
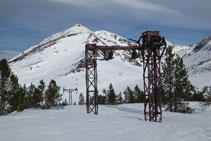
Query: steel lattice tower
x,y
151,54
91,80
152,49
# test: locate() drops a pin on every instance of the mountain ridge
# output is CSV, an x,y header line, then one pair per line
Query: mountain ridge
x,y
61,57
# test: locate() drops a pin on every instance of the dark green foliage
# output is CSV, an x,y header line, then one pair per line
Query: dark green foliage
x,y
133,96
111,95
176,86
4,85
15,97
22,99
52,96
101,99
168,76
139,95
120,99
40,93
129,95
64,103
81,99
181,107
30,95
14,93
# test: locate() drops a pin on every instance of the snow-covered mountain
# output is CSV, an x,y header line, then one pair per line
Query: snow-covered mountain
x,y
61,57
197,59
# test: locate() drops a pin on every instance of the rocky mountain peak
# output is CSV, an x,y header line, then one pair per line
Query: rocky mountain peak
x,y
204,44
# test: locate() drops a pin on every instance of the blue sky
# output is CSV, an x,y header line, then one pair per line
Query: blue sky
x,y
24,23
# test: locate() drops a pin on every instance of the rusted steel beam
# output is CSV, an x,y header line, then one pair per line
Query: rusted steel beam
x,y
95,47
152,51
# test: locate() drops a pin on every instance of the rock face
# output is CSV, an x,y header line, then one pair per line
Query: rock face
x,y
61,57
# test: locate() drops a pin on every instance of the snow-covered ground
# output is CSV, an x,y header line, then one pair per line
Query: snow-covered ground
x,y
114,123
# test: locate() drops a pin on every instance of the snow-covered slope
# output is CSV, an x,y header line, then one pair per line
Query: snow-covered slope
x,y
197,59
114,123
61,57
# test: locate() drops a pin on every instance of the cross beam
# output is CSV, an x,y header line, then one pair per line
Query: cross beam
x,y
91,73
152,50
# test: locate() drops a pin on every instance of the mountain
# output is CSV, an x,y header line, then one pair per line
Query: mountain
x,y
61,57
198,61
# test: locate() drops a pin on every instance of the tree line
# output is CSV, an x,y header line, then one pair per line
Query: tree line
x,y
14,97
176,88
109,96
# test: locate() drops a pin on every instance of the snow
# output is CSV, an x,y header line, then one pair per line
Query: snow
x,y
114,123
57,56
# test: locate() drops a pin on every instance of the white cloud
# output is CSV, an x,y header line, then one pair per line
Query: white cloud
x,y
82,3
145,6
136,5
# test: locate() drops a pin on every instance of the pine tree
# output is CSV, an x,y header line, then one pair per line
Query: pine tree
x,y
81,99
22,99
168,76
120,99
176,85
52,96
101,99
13,93
111,95
30,96
4,85
41,92
129,95
139,95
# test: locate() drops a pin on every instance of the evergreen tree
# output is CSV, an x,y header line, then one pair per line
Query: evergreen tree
x,y
14,93
168,76
120,99
30,96
41,92
52,96
111,95
176,85
101,99
139,95
37,94
22,99
105,92
81,99
129,95
4,85
64,103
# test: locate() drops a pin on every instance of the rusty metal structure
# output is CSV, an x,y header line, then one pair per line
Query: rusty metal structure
x,y
91,53
151,51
